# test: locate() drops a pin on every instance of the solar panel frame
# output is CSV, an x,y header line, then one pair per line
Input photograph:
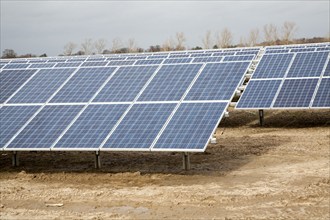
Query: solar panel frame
x,y
321,97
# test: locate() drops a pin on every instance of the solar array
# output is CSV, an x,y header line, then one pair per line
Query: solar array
x,y
290,77
169,101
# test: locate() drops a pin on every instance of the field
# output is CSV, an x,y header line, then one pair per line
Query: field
x,y
281,170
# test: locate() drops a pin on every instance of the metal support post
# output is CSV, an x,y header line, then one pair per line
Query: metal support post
x,y
15,161
261,117
186,161
97,160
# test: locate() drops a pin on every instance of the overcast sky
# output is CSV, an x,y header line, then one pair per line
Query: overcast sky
x,y
39,27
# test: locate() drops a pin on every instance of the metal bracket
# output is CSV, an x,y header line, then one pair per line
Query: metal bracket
x,y
97,160
261,117
186,161
15,160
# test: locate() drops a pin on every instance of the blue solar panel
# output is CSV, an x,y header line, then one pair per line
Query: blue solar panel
x,y
56,60
322,98
271,51
179,60
254,52
121,63
157,57
69,64
295,50
149,61
239,58
200,55
11,80
2,65
92,126
296,93
191,127
45,127
37,61
323,49
16,66
96,59
83,85
223,54
273,66
19,61
95,63
12,119
308,64
327,70
259,94
179,55
136,58
76,59
140,126
218,81
40,88
125,85
207,59
116,58
170,82
42,65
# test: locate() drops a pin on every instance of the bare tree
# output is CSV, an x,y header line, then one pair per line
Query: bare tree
x,y
69,48
100,45
253,37
270,33
87,46
131,45
116,45
207,40
224,38
168,45
180,38
288,31
8,53
242,42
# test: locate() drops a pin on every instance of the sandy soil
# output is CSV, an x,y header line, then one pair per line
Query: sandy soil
x,y
278,171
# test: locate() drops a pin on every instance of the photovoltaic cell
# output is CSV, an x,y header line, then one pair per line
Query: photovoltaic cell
x,y
259,94
200,55
218,81
191,126
11,80
12,118
308,64
126,83
17,66
45,127
83,85
170,82
92,127
216,54
157,57
179,55
207,59
40,88
239,58
179,60
69,64
254,52
41,65
271,51
121,63
273,66
296,93
148,61
322,98
295,50
327,70
95,63
140,126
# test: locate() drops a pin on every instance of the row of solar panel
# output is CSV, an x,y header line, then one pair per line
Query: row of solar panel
x,y
297,50
299,46
288,93
158,55
215,81
129,62
110,127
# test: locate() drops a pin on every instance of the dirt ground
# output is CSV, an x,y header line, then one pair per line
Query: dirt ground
x,y
278,171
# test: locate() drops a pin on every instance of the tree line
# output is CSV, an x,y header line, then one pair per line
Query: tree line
x,y
269,34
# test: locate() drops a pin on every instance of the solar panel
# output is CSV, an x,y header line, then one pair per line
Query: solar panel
x,y
273,66
216,54
126,84
308,64
16,66
121,63
190,127
19,61
327,70
323,49
37,61
181,60
259,94
139,127
95,63
45,127
83,85
238,58
271,51
92,127
12,119
136,58
149,61
157,57
56,60
296,93
218,81
200,55
40,88
254,52
42,65
170,82
322,98
69,64
206,59
302,50
11,80
116,58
